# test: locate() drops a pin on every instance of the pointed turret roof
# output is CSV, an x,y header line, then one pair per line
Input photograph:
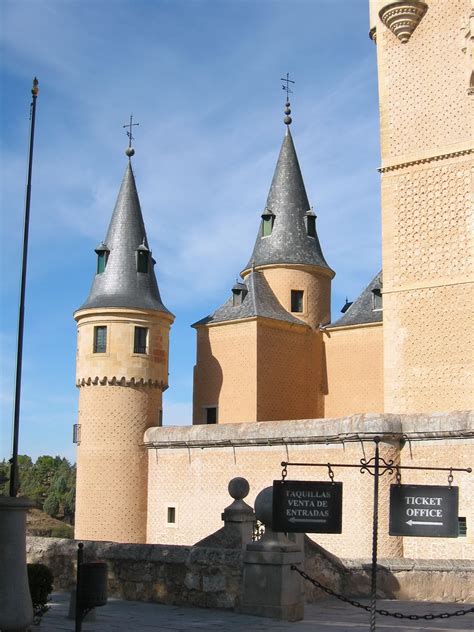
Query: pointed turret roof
x,y
259,301
120,284
289,241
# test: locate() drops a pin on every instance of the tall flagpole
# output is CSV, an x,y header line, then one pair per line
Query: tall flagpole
x,y
21,309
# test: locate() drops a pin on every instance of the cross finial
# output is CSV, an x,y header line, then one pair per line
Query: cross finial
x,y
130,151
288,91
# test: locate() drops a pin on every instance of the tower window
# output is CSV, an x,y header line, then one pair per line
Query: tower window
x,y
171,515
211,414
102,257
377,300
311,225
142,261
297,300
267,222
140,341
239,292
100,339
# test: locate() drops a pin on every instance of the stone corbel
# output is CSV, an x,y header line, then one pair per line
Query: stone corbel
x,y
403,17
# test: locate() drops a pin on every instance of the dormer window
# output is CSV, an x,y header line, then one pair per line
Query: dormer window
x,y
310,220
239,292
268,219
377,299
102,257
143,256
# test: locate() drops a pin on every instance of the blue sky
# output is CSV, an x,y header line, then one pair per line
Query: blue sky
x,y
202,79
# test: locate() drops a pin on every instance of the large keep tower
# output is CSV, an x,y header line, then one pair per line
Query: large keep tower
x,y
122,371
425,58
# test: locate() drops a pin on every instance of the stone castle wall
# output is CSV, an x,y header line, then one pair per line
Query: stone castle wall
x,y
426,114
188,464
353,370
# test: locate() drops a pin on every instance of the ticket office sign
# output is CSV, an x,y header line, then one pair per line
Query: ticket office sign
x,y
429,511
307,507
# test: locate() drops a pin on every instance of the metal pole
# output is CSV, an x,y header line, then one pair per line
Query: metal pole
x,y
373,587
80,559
21,310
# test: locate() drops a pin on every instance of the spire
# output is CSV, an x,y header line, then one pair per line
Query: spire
x,y
289,240
126,277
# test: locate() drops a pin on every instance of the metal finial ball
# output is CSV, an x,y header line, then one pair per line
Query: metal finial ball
x,y
287,120
129,152
287,104
287,111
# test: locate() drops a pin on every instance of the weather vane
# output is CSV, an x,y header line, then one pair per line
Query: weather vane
x,y
130,151
287,119
287,87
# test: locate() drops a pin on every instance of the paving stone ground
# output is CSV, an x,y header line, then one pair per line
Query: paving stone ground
x,y
325,616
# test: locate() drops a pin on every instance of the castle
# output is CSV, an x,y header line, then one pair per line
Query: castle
x,y
397,364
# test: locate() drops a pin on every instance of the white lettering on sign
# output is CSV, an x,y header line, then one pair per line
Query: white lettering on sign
x,y
421,500
426,513
308,513
294,493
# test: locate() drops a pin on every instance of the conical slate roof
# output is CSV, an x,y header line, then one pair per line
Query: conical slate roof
x,y
287,200
259,301
362,309
120,285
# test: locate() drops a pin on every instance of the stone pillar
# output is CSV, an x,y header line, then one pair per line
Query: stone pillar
x,y
239,517
270,587
16,610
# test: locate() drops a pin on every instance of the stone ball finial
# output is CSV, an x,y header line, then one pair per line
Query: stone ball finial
x,y
264,506
129,152
239,488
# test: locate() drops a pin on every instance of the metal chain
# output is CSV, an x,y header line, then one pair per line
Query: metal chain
x,y
385,613
284,471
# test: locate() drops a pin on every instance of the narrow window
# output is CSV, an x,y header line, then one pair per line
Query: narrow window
x,y
142,261
211,415
102,257
76,433
160,417
239,292
267,222
311,225
100,339
171,515
297,300
462,527
377,301
140,340
101,261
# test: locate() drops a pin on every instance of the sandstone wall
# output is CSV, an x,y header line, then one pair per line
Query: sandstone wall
x,y
426,115
353,370
188,465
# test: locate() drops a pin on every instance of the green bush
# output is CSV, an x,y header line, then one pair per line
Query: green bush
x,y
40,580
62,531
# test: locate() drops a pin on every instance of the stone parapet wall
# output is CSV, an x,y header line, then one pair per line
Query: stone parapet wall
x,y
175,575
212,577
412,580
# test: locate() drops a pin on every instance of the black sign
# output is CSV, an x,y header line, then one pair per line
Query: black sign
x,y
307,507
429,511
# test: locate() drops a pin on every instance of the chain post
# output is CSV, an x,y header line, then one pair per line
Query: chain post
x,y
375,528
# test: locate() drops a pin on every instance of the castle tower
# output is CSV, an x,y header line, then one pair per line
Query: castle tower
x,y
287,249
425,57
122,371
259,356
